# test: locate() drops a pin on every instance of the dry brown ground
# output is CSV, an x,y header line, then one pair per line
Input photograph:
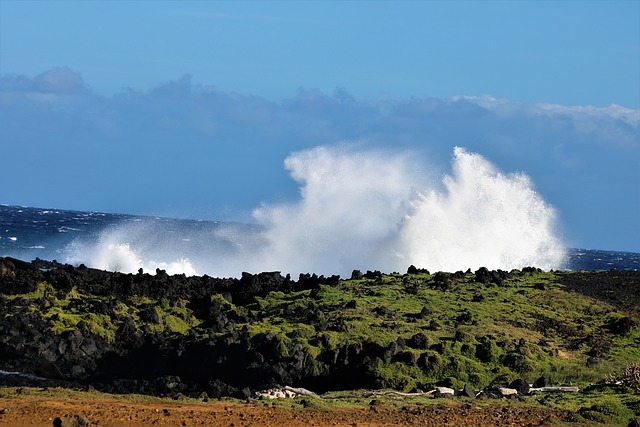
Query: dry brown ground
x,y
34,407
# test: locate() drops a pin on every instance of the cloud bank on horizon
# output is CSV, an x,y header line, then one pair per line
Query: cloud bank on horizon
x,y
193,150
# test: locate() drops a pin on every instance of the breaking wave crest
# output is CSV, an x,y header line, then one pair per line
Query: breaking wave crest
x,y
114,252
357,210
482,218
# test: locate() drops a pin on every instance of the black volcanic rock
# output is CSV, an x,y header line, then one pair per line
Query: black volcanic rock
x,y
182,336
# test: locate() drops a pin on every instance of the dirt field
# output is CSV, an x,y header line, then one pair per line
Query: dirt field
x,y
40,408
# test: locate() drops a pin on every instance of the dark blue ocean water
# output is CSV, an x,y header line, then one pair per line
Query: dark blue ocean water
x,y
173,244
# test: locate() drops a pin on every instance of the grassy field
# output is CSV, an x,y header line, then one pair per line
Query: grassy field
x,y
455,329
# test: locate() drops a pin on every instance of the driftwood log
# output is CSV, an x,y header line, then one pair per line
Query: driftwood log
x,y
300,391
554,389
292,392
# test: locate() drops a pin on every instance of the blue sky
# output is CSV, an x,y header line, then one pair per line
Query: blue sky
x,y
567,52
190,108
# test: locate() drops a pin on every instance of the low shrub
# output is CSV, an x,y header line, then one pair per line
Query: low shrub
x,y
607,411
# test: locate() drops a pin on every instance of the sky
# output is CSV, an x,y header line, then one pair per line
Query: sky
x,y
190,108
567,52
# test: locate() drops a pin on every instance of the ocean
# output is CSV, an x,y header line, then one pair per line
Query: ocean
x,y
120,242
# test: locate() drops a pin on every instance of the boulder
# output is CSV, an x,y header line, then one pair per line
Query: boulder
x,y
540,382
507,392
406,357
468,392
521,386
419,341
444,392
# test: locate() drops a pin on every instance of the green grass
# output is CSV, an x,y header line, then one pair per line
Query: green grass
x,y
528,327
477,333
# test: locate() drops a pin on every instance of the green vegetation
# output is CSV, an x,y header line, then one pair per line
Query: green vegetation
x,y
525,328
103,315
528,326
434,327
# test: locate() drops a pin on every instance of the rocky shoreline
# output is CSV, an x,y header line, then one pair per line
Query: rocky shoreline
x,y
194,336
139,360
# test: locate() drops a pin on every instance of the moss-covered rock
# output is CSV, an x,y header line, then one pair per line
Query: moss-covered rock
x,y
373,330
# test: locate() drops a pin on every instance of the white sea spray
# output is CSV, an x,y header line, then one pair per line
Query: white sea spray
x,y
358,209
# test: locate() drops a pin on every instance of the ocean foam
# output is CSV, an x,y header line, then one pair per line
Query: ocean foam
x,y
121,248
